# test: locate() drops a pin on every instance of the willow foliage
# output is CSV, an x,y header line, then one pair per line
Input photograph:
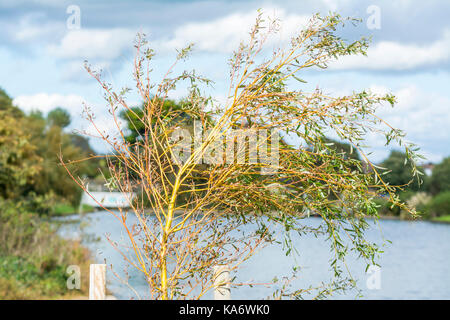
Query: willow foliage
x,y
219,211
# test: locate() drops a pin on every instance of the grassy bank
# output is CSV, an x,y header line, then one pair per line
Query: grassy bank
x,y
34,258
64,209
429,207
445,219
22,279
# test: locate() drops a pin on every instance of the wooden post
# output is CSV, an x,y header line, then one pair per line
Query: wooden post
x,y
222,283
97,282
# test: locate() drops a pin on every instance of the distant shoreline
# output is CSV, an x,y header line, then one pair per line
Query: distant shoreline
x,y
381,217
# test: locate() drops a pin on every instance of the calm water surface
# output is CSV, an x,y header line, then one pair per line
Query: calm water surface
x,y
416,265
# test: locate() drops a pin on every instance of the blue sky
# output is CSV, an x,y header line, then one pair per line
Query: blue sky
x,y
41,58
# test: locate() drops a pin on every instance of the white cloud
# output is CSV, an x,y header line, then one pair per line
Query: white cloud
x,y
334,5
388,55
46,102
74,70
379,90
94,43
423,116
13,3
224,34
32,28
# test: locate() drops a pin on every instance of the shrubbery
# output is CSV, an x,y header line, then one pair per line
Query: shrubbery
x,y
30,145
21,279
440,179
33,258
439,205
417,196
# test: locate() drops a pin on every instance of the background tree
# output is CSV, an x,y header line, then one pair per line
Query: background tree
x,y
6,104
133,118
52,177
440,178
58,117
178,113
345,148
170,110
50,139
19,161
29,164
400,173
82,143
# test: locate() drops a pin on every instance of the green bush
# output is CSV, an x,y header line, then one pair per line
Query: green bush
x,y
443,219
439,205
33,258
65,209
440,178
400,172
414,200
21,279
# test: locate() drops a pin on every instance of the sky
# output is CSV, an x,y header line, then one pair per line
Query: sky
x,y
43,45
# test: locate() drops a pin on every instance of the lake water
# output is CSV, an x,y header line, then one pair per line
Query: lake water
x,y
416,265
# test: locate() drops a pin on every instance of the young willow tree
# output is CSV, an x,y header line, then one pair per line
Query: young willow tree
x,y
219,186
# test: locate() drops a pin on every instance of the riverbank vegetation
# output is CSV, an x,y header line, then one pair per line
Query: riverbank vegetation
x,y
33,257
431,198
29,164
